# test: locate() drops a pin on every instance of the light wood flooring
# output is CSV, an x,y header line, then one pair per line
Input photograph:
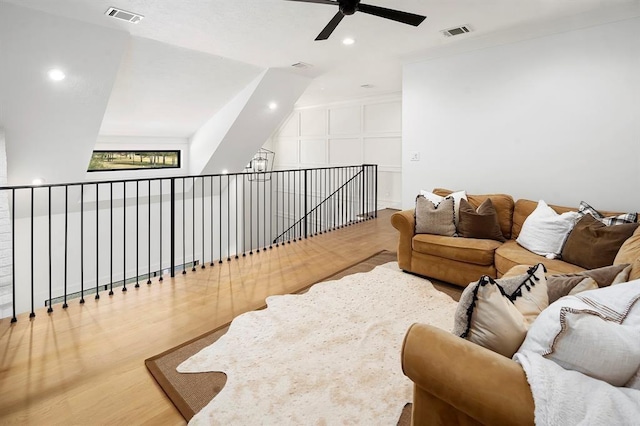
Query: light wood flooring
x,y
85,365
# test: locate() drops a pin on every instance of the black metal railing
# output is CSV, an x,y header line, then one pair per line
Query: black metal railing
x,y
69,241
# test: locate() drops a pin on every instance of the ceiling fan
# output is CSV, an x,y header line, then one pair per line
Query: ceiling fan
x,y
349,7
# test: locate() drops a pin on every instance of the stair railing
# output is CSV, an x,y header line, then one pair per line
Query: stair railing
x,y
65,242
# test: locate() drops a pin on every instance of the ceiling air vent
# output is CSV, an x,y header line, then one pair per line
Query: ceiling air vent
x,y
456,31
301,65
134,18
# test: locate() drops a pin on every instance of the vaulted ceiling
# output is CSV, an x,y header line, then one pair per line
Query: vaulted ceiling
x,y
186,59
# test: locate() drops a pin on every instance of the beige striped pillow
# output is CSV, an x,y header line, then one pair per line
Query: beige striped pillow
x,y
437,219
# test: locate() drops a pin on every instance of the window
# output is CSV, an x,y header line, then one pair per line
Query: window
x,y
104,161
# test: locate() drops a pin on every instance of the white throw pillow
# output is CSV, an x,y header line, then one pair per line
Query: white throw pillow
x,y
544,231
436,199
496,314
634,383
596,332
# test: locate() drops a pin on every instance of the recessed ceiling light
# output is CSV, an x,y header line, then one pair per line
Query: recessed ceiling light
x,y
348,41
37,181
225,171
56,74
273,106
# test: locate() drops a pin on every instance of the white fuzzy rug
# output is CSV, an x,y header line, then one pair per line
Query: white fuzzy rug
x,y
329,356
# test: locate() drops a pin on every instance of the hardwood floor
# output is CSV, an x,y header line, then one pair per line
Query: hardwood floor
x,y
85,365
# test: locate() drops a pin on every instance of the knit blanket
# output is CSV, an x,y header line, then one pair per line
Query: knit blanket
x,y
567,398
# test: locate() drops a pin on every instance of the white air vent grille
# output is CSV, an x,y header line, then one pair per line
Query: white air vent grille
x,y
456,31
134,18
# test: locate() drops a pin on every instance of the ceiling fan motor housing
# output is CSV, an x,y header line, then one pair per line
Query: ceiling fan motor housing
x,y
348,7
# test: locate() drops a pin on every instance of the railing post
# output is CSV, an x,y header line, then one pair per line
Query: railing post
x,y
362,209
375,193
13,255
306,207
173,226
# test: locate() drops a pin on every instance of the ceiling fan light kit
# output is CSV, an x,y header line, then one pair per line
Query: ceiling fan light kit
x,y
349,7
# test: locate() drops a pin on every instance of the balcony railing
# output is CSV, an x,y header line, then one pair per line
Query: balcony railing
x,y
70,241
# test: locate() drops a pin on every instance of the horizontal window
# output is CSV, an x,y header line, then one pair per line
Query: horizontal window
x,y
107,161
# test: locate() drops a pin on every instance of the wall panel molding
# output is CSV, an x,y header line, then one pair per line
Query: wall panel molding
x,y
346,133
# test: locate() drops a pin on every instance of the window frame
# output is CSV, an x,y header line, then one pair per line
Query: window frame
x,y
177,152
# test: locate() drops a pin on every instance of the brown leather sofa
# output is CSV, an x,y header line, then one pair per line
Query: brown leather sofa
x,y
463,260
457,382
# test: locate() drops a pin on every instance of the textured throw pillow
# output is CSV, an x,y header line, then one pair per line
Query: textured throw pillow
x,y
610,220
592,244
544,231
435,219
634,382
563,284
496,314
436,199
481,223
596,333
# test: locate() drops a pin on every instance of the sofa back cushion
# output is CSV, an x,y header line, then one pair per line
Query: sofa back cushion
x,y
502,203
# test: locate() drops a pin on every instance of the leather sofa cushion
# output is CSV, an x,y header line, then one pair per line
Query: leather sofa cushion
x,y
503,203
469,250
511,254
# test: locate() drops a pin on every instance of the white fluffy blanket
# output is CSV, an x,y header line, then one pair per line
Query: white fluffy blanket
x,y
567,398
329,356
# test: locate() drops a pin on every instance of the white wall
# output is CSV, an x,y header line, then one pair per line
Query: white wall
x,y
229,139
554,118
51,127
6,260
362,131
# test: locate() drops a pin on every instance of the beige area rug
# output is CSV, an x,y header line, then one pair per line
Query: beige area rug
x,y
191,392
328,356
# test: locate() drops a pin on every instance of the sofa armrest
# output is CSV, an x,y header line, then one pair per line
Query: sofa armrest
x,y
484,385
405,222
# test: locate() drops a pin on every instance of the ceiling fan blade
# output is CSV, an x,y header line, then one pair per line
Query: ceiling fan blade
x,y
317,1
396,15
326,32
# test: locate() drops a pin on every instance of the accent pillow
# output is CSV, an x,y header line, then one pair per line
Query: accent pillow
x,y
596,333
436,199
435,219
563,284
630,253
544,231
634,382
592,244
610,220
496,314
481,223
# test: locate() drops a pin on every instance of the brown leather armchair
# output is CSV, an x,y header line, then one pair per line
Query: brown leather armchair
x,y
457,382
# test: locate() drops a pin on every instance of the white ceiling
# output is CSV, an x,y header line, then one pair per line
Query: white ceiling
x,y
187,59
